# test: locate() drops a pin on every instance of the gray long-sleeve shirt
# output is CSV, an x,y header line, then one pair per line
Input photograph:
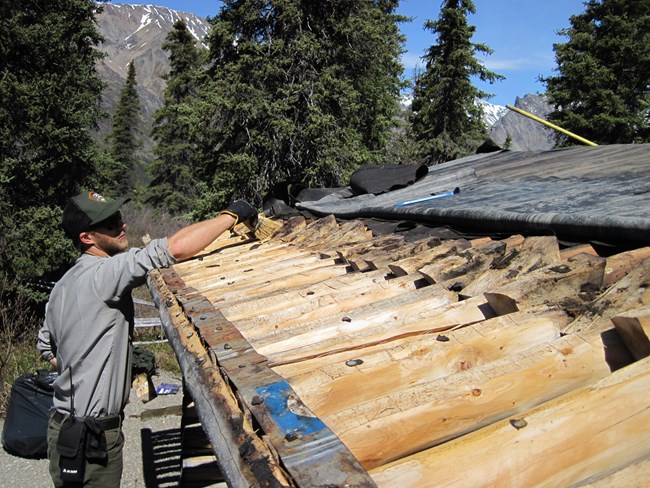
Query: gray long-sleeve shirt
x,y
88,327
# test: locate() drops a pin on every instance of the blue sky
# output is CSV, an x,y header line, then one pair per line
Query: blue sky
x,y
520,32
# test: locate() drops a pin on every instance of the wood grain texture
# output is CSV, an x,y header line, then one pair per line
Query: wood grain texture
x,y
418,360
593,430
422,415
634,328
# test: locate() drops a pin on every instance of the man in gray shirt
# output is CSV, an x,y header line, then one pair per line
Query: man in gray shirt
x,y
87,332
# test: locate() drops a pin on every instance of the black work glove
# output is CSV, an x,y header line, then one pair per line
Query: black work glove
x,y
242,211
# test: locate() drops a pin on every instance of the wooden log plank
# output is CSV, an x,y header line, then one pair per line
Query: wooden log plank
x,y
419,417
387,243
434,315
619,265
248,273
457,270
250,266
258,255
419,360
349,232
233,258
353,255
634,329
513,241
595,430
235,248
292,226
265,228
224,423
289,279
287,298
364,316
328,237
480,241
292,429
572,251
316,231
338,302
380,259
412,264
332,367
225,242
551,285
628,293
218,258
635,475
533,253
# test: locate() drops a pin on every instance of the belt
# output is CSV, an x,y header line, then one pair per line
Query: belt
x,y
104,423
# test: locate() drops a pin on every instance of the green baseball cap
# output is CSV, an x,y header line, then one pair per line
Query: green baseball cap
x,y
87,209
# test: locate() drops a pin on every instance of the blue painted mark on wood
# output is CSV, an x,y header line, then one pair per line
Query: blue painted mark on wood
x,y
276,397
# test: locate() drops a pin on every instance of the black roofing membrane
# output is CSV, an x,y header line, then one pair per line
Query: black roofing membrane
x,y
581,194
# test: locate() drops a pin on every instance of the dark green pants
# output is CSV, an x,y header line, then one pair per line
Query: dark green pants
x,y
96,475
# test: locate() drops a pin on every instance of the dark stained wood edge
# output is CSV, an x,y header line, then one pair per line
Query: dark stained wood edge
x,y
294,432
244,459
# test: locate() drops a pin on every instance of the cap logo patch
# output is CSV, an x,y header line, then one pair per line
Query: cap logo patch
x,y
96,197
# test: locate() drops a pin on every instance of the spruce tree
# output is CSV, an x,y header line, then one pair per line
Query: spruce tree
x,y
446,119
124,136
300,90
601,91
49,101
174,183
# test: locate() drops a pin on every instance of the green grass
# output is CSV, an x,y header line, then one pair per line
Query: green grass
x,y
23,359
165,357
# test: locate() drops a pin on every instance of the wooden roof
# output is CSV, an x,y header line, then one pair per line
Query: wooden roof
x,y
327,356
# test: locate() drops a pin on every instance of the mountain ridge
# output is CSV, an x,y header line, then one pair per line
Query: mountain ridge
x,y
137,32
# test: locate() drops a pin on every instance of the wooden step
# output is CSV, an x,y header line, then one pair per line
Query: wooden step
x,y
201,471
199,466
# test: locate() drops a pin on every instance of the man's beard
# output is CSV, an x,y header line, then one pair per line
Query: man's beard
x,y
111,245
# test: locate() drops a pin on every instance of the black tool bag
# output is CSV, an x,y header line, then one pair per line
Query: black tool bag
x,y
30,402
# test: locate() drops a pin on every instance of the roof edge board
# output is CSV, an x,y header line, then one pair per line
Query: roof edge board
x,y
257,389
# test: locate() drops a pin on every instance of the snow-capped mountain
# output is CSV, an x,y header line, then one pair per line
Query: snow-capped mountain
x,y
136,33
491,112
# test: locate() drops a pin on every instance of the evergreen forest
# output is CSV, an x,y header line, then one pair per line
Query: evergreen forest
x,y
286,91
